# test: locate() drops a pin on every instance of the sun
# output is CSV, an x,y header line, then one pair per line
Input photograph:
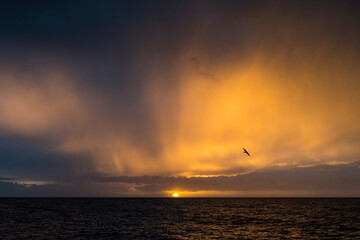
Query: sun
x,y
175,195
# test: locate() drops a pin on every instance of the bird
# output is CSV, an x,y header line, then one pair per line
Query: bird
x,y
246,152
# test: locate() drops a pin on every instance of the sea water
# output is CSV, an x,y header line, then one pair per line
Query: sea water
x,y
180,218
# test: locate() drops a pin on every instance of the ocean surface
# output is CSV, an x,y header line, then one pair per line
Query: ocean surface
x,y
181,218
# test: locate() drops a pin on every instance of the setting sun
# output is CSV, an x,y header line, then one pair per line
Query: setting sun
x,y
175,195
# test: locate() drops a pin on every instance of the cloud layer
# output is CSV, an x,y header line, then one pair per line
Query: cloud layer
x,y
176,90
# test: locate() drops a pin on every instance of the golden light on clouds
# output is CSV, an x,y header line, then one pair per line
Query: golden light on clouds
x,y
252,105
185,101
37,107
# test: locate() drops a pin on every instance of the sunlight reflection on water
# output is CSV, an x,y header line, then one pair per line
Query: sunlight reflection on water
x,y
113,218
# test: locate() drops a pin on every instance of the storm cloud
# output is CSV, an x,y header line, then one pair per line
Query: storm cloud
x,y
175,90
317,180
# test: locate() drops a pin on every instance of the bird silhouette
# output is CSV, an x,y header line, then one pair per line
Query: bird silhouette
x,y
246,152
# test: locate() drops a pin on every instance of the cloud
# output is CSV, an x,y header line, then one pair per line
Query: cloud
x,y
11,189
320,180
195,64
121,88
6,179
35,159
326,179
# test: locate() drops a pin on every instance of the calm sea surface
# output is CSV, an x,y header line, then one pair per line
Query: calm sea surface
x,y
149,218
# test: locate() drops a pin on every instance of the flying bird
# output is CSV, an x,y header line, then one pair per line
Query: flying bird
x,y
246,152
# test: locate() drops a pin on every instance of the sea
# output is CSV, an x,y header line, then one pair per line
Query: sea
x,y
180,218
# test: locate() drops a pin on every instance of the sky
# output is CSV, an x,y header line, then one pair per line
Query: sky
x,y
149,98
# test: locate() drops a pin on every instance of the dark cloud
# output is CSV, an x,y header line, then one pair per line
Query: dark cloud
x,y
321,180
6,179
120,95
37,160
324,178
195,64
11,189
